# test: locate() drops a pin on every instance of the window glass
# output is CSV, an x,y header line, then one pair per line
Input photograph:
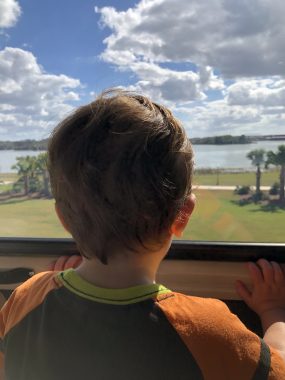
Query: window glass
x,y
218,65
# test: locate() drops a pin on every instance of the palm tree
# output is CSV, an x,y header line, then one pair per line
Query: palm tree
x,y
23,168
26,168
278,159
42,170
257,158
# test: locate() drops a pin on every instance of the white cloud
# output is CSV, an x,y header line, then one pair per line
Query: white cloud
x,y
30,97
184,52
219,115
165,84
130,49
10,12
240,38
218,118
266,93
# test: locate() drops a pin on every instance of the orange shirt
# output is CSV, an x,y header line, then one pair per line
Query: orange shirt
x,y
58,326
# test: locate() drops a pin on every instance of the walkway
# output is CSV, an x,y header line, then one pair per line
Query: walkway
x,y
232,188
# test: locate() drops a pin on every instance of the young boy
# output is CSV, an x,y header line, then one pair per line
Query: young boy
x,y
121,170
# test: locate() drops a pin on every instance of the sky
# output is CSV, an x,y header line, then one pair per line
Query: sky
x,y
219,65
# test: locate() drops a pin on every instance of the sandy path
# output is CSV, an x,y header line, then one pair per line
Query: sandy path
x,y
232,188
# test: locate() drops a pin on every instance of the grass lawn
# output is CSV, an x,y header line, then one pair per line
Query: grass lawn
x,y
234,179
224,179
5,187
216,218
30,218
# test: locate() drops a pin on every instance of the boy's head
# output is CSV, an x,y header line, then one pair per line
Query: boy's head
x,y
121,170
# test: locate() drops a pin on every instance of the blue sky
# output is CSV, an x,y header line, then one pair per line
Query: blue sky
x,y
218,65
68,40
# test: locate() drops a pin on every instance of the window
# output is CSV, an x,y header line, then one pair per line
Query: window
x,y
218,65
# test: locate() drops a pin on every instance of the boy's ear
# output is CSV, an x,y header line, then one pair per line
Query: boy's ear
x,y
183,216
60,217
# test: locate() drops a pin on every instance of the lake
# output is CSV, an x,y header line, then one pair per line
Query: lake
x,y
206,156
230,156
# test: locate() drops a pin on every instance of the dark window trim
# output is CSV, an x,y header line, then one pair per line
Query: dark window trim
x,y
180,250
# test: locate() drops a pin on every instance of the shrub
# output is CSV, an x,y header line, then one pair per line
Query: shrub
x,y
275,188
242,190
257,197
18,186
35,185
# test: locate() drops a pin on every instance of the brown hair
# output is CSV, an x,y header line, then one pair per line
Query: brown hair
x,y
120,168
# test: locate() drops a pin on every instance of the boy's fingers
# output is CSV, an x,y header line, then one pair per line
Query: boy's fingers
x,y
267,270
51,265
243,292
282,266
65,262
255,273
73,262
278,273
60,263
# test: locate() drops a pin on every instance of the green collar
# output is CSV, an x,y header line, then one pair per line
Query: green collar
x,y
72,281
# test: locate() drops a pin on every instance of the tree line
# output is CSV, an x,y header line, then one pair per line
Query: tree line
x,y
213,140
42,144
24,145
222,140
260,158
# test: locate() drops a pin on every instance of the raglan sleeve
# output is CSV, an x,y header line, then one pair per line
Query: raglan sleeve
x,y
221,344
7,312
23,299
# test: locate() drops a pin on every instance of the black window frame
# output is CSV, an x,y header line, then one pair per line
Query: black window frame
x,y
180,249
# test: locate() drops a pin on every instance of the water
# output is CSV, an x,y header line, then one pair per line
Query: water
x,y
230,156
206,156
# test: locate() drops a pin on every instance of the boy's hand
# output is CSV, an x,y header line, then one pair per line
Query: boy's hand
x,y
267,297
65,262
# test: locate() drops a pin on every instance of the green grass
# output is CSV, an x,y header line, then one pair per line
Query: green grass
x,y
5,187
216,218
225,179
30,218
234,179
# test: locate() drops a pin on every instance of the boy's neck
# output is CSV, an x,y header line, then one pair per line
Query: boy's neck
x,y
123,270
